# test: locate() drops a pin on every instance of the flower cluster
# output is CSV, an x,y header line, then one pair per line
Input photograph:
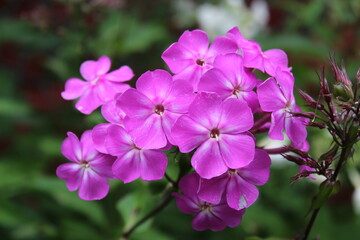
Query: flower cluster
x,y
209,108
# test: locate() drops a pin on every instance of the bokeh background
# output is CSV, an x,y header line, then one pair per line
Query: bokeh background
x,y
43,43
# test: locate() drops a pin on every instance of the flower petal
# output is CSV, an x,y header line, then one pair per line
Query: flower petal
x,y
93,186
122,74
89,151
71,173
88,102
180,97
258,170
99,134
195,41
205,220
211,190
236,150
74,88
277,125
71,148
185,204
118,141
188,134
135,104
208,161
221,46
153,165
127,167
229,216
178,58
90,70
270,96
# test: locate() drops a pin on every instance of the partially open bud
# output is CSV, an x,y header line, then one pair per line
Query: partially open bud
x,y
295,159
308,99
320,125
340,74
343,92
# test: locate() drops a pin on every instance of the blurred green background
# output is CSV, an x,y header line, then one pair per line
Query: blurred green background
x,y
43,43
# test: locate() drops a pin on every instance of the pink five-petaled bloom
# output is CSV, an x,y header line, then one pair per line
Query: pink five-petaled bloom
x,y
89,169
276,96
133,162
238,184
153,107
254,57
230,79
219,128
213,216
99,86
190,57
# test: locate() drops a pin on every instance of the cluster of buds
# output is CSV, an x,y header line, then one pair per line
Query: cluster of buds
x,y
338,111
209,109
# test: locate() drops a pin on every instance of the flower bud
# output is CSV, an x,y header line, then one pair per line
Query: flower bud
x,y
343,92
320,125
308,99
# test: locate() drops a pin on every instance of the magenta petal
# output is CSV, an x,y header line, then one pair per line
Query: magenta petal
x,y
71,148
277,125
275,58
127,167
180,97
88,102
168,121
135,104
270,96
221,46
113,113
155,85
178,58
153,165
211,190
205,220
192,74
74,88
189,185
237,150
102,165
99,134
107,90
286,81
208,161
251,99
188,134
71,173
231,217
196,41
215,81
90,70
236,117
185,204
296,130
240,194
206,109
258,170
93,186
118,141
89,151
253,56
147,132
120,75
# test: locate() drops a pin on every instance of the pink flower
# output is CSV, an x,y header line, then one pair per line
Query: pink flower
x,y
99,86
89,169
219,130
277,96
213,216
254,57
190,57
238,184
230,79
153,108
133,162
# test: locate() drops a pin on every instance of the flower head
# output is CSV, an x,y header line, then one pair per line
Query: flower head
x,y
89,168
213,216
99,87
219,129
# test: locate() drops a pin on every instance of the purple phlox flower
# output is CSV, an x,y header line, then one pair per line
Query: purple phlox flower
x,y
237,185
132,161
99,87
219,129
89,168
153,107
190,57
230,79
114,115
276,96
267,61
207,215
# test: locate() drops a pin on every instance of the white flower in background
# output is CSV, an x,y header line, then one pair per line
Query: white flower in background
x,y
217,19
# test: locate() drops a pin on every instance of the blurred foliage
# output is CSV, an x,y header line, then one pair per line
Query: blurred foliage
x,y
43,43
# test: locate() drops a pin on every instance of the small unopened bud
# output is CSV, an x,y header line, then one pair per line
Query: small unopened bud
x,y
300,175
324,87
298,152
295,159
320,125
309,100
340,74
343,92
309,115
312,163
